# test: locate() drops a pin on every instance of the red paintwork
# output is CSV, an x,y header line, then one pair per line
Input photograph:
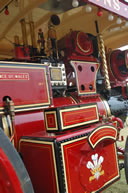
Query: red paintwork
x,y
22,53
78,175
79,116
87,100
42,157
9,182
77,152
86,76
31,90
64,101
59,162
40,166
28,123
67,117
75,116
51,120
101,133
118,69
118,59
76,49
82,45
119,121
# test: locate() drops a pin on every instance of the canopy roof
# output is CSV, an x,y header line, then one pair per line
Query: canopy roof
x,y
40,11
118,7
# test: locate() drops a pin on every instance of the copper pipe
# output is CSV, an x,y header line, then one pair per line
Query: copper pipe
x,y
32,31
24,32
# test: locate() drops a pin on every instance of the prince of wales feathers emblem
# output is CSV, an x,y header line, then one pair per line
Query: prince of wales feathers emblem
x,y
95,167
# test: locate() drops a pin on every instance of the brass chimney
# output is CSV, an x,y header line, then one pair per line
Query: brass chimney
x,y
16,40
32,31
24,32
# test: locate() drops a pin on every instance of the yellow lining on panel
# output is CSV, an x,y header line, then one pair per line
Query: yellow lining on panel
x,y
53,152
63,158
106,137
78,108
30,106
23,63
51,112
117,168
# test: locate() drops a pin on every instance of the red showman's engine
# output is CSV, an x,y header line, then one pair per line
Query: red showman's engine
x,y
63,114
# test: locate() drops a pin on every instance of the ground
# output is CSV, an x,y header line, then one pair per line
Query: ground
x,y
120,186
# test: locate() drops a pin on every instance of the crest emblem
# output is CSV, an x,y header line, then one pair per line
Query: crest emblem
x,y
95,167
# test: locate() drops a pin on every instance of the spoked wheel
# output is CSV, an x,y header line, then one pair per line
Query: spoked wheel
x,y
126,160
13,175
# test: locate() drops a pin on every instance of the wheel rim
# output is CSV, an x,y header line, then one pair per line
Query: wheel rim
x,y
126,160
13,175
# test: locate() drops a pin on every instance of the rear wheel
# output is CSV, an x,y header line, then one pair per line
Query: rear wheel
x,y
13,175
126,160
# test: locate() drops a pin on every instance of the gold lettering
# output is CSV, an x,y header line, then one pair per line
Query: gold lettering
x,y
107,1
116,5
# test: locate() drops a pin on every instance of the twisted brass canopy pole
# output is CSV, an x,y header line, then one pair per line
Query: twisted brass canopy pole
x,y
103,59
104,62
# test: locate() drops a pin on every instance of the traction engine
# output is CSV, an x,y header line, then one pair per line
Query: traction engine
x,y
63,114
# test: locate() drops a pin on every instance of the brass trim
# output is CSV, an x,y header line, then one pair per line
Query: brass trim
x,y
106,105
126,52
5,126
53,152
31,105
127,88
73,99
30,109
10,124
48,128
26,67
22,63
104,62
24,110
78,108
72,63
